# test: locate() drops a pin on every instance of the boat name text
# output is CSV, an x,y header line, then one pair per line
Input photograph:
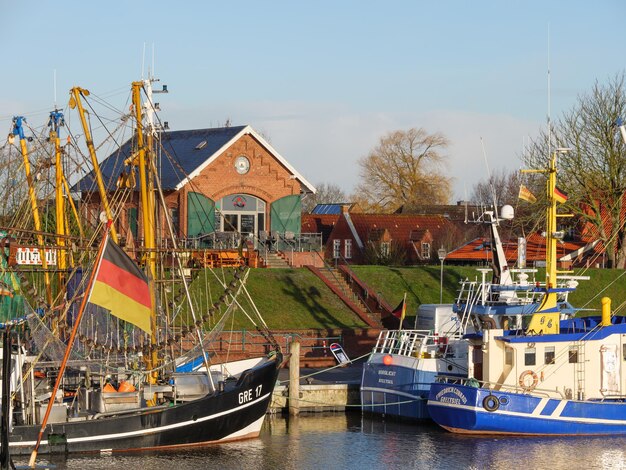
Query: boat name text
x,y
248,395
460,398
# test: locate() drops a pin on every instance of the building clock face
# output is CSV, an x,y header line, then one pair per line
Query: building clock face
x,y
242,164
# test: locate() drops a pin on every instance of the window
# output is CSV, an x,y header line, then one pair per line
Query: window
x,y
573,354
529,357
384,249
549,355
508,356
336,248
347,249
425,250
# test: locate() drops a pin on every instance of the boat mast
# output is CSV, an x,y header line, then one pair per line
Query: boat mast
x,y
75,94
18,130
147,212
56,121
546,318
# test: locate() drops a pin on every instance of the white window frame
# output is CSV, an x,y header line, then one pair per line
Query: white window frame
x,y
347,248
425,250
336,248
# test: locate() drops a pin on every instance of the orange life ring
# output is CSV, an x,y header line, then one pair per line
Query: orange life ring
x,y
524,383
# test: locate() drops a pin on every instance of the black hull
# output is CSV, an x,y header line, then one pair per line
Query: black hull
x,y
235,413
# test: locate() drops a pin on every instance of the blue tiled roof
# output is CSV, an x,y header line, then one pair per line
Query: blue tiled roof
x,y
182,153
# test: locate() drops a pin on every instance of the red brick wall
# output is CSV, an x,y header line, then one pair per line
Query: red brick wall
x,y
267,179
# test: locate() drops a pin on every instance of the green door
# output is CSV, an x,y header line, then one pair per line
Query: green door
x,y
200,214
286,214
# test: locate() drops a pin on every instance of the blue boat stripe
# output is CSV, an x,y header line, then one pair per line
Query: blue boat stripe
x,y
556,416
539,408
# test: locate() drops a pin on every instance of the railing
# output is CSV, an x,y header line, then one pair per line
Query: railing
x,y
413,343
266,241
248,341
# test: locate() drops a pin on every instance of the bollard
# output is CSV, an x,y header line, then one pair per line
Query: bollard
x,y
294,379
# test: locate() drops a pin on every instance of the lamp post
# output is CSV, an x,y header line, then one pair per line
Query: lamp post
x,y
441,253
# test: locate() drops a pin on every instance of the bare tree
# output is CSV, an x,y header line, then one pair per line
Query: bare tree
x,y
406,168
593,172
326,193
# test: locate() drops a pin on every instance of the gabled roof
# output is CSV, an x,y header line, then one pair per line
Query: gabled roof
x,y
400,227
191,151
479,249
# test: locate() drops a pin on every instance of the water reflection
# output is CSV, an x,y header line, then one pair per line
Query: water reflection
x,y
348,441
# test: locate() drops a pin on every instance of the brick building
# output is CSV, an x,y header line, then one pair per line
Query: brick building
x,y
216,183
359,238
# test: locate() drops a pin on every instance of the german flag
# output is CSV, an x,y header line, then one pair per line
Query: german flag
x,y
400,310
559,196
526,194
122,288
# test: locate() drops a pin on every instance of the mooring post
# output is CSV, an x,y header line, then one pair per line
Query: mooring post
x,y
294,379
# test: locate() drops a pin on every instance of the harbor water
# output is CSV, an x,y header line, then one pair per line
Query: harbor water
x,y
350,441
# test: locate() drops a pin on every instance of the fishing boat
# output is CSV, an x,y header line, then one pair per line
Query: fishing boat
x,y
397,375
104,349
554,376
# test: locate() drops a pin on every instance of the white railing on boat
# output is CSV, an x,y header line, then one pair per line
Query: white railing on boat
x,y
413,343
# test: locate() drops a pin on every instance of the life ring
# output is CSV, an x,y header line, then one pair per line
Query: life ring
x,y
524,383
491,403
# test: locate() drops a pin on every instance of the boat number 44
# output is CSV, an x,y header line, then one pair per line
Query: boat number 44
x,y
249,395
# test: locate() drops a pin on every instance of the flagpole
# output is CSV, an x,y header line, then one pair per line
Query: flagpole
x,y
33,455
403,311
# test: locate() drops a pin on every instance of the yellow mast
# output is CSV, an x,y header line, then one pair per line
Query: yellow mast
x,y
546,318
75,102
19,131
56,120
147,210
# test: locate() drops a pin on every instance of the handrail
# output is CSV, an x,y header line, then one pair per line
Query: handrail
x,y
352,275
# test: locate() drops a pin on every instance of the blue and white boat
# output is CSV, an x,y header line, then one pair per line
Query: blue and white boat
x,y
398,374
555,376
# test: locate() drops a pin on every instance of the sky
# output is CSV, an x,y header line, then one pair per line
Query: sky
x,y
323,81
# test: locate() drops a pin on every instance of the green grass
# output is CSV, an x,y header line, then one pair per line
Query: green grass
x,y
297,299
287,299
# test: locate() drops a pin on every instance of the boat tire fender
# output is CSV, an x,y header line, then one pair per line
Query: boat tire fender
x,y
491,403
527,387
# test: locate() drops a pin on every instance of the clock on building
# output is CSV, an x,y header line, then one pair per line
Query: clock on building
x,y
242,164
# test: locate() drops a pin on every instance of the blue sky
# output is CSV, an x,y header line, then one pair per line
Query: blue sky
x,y
323,81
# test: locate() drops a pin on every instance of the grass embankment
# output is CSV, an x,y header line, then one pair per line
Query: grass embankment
x,y
295,298
287,299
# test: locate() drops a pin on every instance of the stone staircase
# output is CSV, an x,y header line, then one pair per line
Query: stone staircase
x,y
335,280
275,260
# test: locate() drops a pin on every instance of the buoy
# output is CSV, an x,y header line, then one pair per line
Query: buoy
x,y
387,360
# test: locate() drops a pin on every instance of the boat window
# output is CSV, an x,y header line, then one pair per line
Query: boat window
x,y
624,351
573,354
529,357
549,355
508,356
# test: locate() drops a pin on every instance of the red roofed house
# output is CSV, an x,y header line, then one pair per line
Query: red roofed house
x,y
478,251
387,238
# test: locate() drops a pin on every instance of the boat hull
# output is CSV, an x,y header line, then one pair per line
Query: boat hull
x,y
235,413
469,410
400,388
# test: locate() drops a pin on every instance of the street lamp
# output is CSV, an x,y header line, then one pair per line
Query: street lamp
x,y
441,253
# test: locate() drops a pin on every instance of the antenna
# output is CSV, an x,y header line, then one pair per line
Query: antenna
x,y
493,190
54,84
549,100
143,59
